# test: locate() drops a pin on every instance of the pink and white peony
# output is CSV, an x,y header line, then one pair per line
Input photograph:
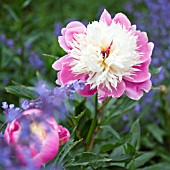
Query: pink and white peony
x,y
110,55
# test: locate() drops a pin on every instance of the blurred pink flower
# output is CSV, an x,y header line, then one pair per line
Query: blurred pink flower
x,y
64,135
110,55
45,143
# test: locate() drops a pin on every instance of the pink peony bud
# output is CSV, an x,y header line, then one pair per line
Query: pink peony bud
x,y
45,133
64,135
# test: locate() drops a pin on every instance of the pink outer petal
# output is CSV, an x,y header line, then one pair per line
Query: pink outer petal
x,y
123,20
68,33
87,91
57,65
104,92
49,149
135,90
142,38
47,152
72,24
58,81
11,131
106,17
67,75
63,44
146,51
140,76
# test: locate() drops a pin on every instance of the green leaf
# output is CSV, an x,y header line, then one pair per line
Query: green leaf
x,y
52,56
87,158
22,91
111,130
124,157
66,149
97,161
77,118
155,71
118,110
158,166
156,131
110,146
129,149
132,166
26,3
11,12
135,134
144,158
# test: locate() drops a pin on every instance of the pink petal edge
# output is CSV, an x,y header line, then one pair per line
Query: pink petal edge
x,y
142,75
87,91
106,17
104,92
135,90
123,20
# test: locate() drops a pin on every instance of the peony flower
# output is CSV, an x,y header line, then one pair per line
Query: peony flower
x,y
110,55
64,135
43,137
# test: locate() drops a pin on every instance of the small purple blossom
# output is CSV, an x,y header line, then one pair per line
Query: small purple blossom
x,y
19,51
3,38
57,29
4,105
137,108
10,111
1,135
27,46
25,104
36,61
60,92
11,106
10,43
43,89
78,85
168,65
125,117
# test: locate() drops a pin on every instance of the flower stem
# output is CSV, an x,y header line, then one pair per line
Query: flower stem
x,y
94,121
3,125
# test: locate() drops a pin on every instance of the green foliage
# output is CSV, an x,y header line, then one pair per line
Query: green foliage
x,y
22,91
141,142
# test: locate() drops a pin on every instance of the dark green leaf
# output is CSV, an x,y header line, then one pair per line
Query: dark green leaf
x,y
111,130
11,12
135,134
156,131
88,158
66,149
158,166
110,146
144,158
22,91
123,105
129,149
77,118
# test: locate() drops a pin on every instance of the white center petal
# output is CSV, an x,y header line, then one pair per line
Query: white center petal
x,y
105,53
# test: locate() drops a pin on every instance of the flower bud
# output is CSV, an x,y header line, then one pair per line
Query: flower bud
x,y
64,135
38,143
